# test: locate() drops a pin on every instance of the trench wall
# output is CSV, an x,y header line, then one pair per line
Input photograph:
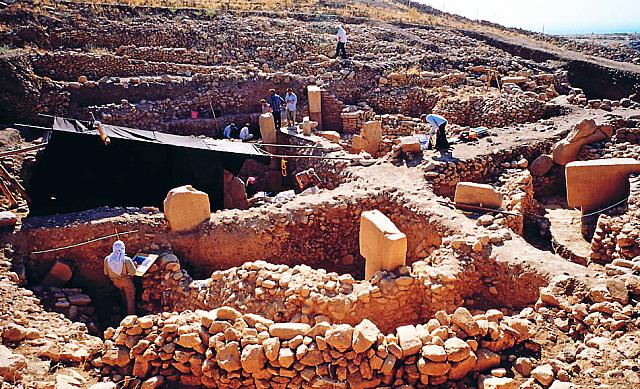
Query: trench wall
x,y
297,234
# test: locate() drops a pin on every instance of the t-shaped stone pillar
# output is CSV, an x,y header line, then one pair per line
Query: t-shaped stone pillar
x,y
314,93
598,183
382,244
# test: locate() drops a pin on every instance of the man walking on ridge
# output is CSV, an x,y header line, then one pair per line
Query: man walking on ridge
x,y
342,41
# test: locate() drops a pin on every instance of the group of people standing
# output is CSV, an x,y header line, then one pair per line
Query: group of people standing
x,y
274,104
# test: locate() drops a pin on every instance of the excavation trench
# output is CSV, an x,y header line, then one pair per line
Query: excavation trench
x,y
597,82
321,237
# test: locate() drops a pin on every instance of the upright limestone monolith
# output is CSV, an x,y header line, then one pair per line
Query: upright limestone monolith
x,y
382,244
314,94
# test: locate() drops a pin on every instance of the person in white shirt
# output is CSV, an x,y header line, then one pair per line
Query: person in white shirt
x,y
245,135
438,124
342,41
292,102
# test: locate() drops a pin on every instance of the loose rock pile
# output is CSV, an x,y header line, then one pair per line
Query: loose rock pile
x,y
223,347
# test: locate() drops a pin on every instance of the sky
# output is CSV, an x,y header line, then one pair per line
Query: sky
x,y
552,16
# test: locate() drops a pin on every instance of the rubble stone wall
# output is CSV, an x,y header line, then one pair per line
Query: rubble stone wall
x,y
224,348
616,241
445,176
491,112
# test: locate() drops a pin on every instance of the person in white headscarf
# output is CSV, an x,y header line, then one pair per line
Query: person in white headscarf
x,y
120,269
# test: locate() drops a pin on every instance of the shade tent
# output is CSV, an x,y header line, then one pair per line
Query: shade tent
x,y
77,171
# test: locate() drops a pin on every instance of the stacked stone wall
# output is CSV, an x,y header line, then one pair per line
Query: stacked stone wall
x,y
224,348
504,110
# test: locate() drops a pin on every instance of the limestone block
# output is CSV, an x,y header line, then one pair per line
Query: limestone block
x,y
514,80
267,128
314,93
330,135
235,193
59,274
584,133
11,365
483,195
541,165
308,125
358,143
185,207
598,183
381,243
316,117
410,145
371,133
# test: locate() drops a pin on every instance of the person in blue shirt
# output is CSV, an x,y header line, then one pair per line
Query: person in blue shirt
x,y
275,101
438,124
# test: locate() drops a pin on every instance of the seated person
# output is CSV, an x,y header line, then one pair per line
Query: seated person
x,y
245,134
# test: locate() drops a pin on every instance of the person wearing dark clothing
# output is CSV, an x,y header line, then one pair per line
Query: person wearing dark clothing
x,y
342,41
275,101
251,187
438,125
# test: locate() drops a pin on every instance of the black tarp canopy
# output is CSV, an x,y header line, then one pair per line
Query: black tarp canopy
x,y
77,171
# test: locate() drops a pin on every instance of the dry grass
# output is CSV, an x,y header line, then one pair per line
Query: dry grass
x,y
385,10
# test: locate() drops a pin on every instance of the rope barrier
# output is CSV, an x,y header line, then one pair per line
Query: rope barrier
x,y
293,146
117,234
607,208
308,156
583,216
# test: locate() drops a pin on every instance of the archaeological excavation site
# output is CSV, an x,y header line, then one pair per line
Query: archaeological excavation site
x,y
421,200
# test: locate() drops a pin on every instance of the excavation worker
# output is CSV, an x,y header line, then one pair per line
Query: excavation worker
x,y
342,41
264,106
250,187
227,131
275,101
292,103
245,134
120,269
438,124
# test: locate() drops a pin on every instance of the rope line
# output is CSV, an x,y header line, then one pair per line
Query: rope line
x,y
586,215
83,243
607,208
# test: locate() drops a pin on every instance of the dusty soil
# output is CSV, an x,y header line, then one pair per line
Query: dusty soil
x,y
483,260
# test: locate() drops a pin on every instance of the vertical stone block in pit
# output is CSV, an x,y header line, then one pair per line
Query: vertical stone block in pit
x,y
314,94
267,128
382,244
